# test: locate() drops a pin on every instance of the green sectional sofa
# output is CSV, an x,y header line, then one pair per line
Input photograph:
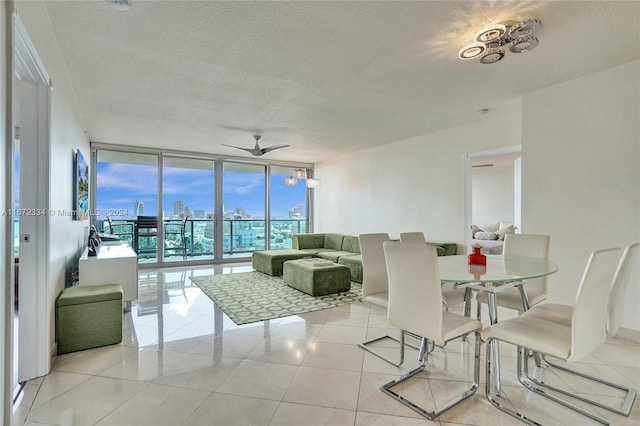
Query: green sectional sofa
x,y
339,248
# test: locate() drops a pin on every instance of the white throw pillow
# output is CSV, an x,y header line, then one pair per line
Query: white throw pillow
x,y
503,231
490,227
485,236
504,224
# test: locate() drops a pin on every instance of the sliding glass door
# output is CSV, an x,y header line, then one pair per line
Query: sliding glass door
x,y
174,207
188,208
126,194
288,207
243,209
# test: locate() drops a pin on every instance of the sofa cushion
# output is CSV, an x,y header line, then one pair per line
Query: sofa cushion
x,y
333,255
308,241
354,262
490,227
270,261
439,249
333,241
351,244
315,251
448,249
503,231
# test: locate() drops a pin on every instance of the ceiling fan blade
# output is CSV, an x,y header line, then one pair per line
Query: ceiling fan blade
x,y
250,150
271,148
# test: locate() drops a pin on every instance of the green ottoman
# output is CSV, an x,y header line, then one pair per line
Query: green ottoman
x,y
89,317
270,261
317,280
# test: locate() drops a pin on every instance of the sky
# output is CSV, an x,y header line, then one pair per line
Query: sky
x,y
120,185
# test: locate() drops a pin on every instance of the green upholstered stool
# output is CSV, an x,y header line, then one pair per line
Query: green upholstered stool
x,y
317,280
270,261
89,317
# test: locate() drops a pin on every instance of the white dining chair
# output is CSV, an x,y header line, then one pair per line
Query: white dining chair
x,y
375,288
535,290
413,237
563,314
586,333
415,295
450,295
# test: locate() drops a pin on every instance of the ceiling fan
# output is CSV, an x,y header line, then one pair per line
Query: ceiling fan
x,y
256,151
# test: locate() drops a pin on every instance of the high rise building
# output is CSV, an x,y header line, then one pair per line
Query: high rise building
x,y
296,212
178,208
138,208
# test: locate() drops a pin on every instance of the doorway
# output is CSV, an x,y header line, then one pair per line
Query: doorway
x,y
30,94
492,193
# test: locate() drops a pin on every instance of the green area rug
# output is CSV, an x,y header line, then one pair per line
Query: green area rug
x,y
253,296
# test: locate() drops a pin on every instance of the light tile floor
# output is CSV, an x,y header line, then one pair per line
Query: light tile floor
x,y
183,361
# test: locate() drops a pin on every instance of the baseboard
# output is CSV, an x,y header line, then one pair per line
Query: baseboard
x,y
53,352
629,334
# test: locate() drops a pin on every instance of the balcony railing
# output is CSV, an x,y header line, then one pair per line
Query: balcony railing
x,y
240,236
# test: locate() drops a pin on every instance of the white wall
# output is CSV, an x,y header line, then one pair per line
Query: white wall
x,y
415,184
581,173
67,237
493,194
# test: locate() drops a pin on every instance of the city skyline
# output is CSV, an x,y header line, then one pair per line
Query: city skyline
x,y
121,186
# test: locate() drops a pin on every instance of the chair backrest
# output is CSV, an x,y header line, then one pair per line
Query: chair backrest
x,y
415,292
147,222
530,245
374,270
619,286
589,321
110,225
413,237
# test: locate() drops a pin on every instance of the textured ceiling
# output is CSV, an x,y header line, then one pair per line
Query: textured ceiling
x,y
324,77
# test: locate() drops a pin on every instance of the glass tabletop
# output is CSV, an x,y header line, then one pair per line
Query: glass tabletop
x,y
498,269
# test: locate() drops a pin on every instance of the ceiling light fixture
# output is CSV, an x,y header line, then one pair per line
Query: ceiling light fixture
x,y
299,173
119,4
290,181
491,41
313,183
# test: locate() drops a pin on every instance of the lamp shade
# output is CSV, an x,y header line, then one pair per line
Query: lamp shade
x,y
313,183
299,173
290,181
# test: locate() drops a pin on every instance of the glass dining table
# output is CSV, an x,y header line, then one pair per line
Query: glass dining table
x,y
500,273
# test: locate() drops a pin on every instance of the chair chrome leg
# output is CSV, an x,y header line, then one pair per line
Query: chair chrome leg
x,y
424,354
492,398
468,294
383,357
523,377
627,405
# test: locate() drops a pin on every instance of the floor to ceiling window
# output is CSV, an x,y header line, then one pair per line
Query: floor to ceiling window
x,y
243,201
126,191
188,208
206,208
288,207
